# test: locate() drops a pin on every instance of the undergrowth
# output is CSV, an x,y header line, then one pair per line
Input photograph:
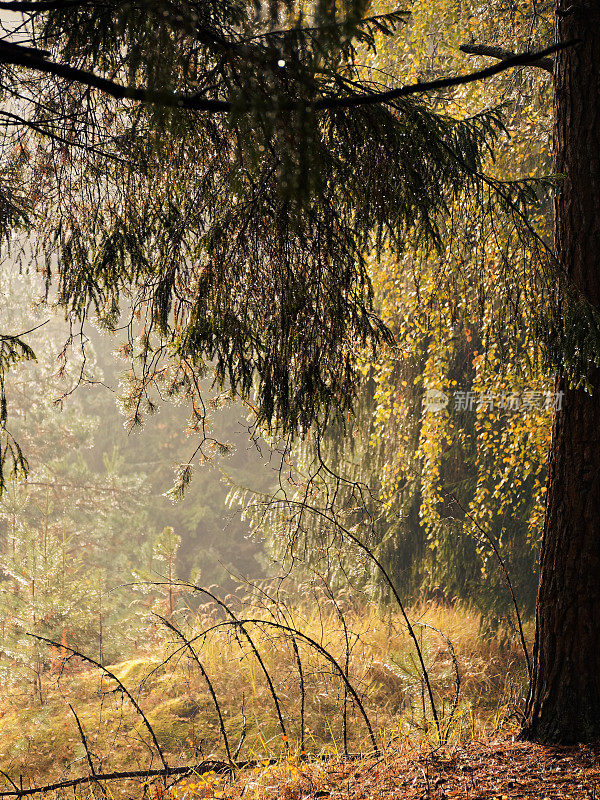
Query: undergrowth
x,y
40,744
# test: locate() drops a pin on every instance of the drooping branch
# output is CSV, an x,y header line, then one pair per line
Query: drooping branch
x,y
112,676
84,741
239,626
207,680
290,630
331,519
546,63
334,663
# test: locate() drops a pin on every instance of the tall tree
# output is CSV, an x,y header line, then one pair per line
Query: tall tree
x,y
564,704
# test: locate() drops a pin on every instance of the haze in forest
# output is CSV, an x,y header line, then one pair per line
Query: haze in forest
x,y
299,347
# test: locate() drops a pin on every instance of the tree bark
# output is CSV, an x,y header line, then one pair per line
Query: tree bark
x,y
564,701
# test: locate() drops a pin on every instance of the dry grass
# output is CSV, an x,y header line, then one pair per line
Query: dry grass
x,y
41,744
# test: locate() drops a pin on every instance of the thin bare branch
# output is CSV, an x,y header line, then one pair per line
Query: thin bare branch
x,y
84,741
207,680
113,677
198,769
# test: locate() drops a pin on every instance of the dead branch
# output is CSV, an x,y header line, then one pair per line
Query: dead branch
x,y
208,765
243,732
302,691
238,623
198,769
84,741
342,619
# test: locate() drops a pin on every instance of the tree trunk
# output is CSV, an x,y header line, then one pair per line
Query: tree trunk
x,y
564,702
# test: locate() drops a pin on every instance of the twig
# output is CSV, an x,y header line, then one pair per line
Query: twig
x,y
84,740
490,539
111,675
243,732
454,703
9,337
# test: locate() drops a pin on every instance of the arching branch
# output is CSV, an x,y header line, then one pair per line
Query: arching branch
x,y
112,676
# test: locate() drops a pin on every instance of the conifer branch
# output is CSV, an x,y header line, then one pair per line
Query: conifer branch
x,y
18,55
40,5
545,63
421,87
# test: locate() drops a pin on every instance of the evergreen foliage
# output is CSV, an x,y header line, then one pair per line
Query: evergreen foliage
x,y
79,535
213,175
464,320
227,185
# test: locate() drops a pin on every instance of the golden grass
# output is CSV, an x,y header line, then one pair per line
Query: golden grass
x,y
43,744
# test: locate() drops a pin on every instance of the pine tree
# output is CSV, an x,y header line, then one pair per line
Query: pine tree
x,y
564,704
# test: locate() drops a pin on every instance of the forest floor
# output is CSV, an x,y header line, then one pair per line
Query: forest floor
x,y
40,741
155,707
500,767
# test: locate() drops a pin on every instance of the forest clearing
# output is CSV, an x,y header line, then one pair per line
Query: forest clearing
x,y
481,755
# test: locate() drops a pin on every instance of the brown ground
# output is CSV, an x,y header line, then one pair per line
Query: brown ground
x,y
498,768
